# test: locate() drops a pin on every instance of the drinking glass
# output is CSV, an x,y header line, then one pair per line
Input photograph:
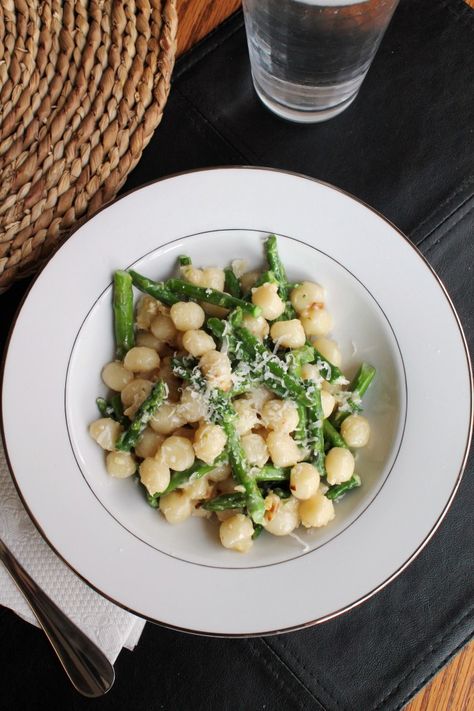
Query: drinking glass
x,y
309,57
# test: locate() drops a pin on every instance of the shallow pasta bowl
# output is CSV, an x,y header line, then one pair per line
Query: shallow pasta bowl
x,y
180,575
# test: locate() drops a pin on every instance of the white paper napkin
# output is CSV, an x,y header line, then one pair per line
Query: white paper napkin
x,y
110,627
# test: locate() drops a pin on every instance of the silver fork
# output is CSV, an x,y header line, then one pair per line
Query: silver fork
x,y
87,667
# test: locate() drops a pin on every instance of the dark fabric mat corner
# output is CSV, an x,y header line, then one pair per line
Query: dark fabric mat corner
x,y
406,148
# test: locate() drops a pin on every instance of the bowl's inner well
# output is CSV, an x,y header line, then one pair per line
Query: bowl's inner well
x,y
362,332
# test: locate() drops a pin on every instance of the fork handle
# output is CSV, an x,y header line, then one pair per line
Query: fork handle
x,y
86,665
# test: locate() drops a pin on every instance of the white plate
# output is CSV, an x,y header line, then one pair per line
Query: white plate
x,y
389,308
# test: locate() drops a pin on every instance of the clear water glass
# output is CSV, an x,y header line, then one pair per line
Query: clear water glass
x,y
309,57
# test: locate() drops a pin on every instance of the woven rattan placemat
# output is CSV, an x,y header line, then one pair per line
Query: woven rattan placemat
x,y
82,89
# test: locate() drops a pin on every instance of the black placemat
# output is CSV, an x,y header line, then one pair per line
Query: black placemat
x,y
406,147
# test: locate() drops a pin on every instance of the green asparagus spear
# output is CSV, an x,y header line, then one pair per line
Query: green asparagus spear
x,y
117,407
333,436
278,270
105,408
335,492
145,412
276,265
224,502
295,360
157,289
358,388
363,379
223,331
154,500
184,260
329,372
300,432
314,432
241,470
123,313
270,473
113,409
211,296
216,326
267,277
257,530
196,471
232,284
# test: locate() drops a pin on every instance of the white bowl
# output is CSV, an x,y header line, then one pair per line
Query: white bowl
x,y
388,308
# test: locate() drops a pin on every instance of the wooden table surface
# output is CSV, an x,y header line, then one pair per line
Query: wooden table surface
x,y
453,687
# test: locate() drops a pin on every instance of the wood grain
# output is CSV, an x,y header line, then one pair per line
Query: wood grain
x,y
198,17
453,687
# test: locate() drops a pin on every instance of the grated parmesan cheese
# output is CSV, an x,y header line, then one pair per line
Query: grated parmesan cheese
x,y
306,547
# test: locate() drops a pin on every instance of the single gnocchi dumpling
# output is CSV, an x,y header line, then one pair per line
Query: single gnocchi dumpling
x,y
177,453
121,465
168,417
141,359
280,415
247,416
197,342
266,296
105,431
192,406
148,443
286,518
163,328
176,506
147,309
283,449
316,511
304,480
328,402
257,325
217,369
209,277
288,334
316,321
306,295
116,376
187,316
209,442
154,475
355,430
339,464
236,533
255,449
198,489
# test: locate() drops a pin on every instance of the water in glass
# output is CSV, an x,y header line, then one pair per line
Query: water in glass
x,y
309,57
